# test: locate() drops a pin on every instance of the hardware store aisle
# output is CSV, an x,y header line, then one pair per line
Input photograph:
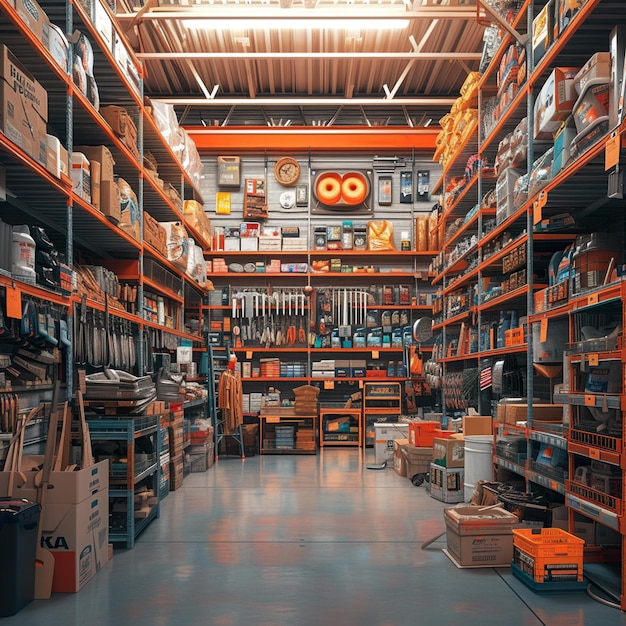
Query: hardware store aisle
x,y
302,540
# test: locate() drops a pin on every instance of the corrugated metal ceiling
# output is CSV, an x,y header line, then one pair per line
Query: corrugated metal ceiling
x,y
260,74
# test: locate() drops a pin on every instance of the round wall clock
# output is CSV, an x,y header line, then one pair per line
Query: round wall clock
x,y
287,171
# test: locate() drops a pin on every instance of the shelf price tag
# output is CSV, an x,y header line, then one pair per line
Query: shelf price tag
x,y
594,360
375,355
538,205
592,299
248,355
14,302
611,152
543,330
272,419
594,453
329,384
590,400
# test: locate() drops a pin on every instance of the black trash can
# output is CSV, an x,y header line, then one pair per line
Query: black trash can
x,y
19,525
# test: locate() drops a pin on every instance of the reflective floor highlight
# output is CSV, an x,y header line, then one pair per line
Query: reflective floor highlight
x,y
303,540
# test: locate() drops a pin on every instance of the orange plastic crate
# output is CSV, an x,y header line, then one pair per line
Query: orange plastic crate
x,y
551,553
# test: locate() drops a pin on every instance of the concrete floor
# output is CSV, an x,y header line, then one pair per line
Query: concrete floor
x,y
303,540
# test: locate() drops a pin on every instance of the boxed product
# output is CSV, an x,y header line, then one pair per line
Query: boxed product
x,y
477,425
480,536
449,452
81,176
101,154
122,125
554,102
110,199
24,107
33,16
400,465
418,460
57,159
542,33
563,140
543,412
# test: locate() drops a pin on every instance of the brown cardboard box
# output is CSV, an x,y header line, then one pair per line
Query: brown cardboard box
x,y
449,452
122,125
400,456
77,535
477,425
110,200
541,412
418,460
479,537
81,176
96,169
24,107
101,154
33,16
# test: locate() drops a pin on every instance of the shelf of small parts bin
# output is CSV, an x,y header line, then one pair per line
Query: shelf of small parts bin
x,y
604,344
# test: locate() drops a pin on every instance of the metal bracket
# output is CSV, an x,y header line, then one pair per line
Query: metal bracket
x,y
483,4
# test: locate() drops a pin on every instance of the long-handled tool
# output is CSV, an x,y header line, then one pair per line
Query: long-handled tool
x,y
44,570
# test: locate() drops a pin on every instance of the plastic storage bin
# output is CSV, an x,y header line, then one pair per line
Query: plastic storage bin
x,y
19,523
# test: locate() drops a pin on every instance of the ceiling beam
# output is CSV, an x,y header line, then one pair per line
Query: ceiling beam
x,y
306,101
234,12
257,56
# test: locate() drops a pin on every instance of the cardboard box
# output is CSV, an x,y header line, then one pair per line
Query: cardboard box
x,y
541,412
103,24
542,33
77,535
24,107
480,538
33,16
95,183
554,102
110,200
101,154
228,171
477,425
449,452
65,487
57,161
81,176
400,465
418,460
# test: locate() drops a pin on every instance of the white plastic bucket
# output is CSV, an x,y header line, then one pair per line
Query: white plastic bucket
x,y
478,462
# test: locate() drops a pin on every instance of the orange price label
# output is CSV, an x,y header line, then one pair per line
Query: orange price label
x,y
14,302
593,299
360,384
543,330
537,212
248,354
329,384
375,354
594,453
272,419
611,152
590,400
593,359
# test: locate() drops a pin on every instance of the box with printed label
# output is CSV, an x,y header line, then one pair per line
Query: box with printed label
x,y
33,16
449,452
23,107
101,154
110,200
554,102
77,535
81,176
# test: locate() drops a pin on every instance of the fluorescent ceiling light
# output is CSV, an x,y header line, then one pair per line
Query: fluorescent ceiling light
x,y
297,23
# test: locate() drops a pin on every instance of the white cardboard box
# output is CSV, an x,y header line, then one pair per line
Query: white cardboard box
x,y
386,434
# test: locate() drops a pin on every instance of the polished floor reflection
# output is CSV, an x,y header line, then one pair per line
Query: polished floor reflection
x,y
303,540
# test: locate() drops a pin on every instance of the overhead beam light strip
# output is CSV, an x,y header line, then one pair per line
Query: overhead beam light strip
x,y
297,101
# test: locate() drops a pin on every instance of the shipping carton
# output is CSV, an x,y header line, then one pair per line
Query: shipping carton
x,y
81,176
449,452
477,425
479,537
23,108
77,535
554,102
33,16
96,169
110,199
386,434
101,154
400,456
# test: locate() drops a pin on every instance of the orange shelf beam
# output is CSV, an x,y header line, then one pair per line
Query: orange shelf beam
x,y
305,138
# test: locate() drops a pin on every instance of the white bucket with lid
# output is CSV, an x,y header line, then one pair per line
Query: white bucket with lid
x,y
478,462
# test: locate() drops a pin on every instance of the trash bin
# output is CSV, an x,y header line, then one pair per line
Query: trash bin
x,y
19,525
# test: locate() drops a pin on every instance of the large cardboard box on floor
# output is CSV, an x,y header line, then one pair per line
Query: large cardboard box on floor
x,y
77,535
400,456
477,425
418,460
23,107
479,536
